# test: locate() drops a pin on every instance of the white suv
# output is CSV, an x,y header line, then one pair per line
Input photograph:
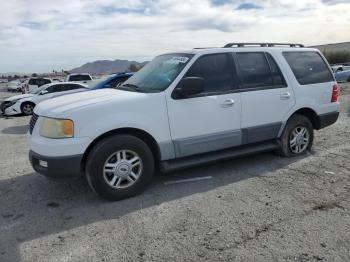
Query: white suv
x,y
184,109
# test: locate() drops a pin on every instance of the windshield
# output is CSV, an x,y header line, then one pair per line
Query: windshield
x,y
158,74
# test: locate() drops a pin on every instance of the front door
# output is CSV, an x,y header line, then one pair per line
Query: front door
x,y
211,120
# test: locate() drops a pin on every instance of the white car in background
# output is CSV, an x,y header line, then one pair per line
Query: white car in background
x,y
25,103
34,83
14,86
79,78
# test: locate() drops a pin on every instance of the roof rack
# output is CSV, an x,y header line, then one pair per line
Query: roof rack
x,y
261,45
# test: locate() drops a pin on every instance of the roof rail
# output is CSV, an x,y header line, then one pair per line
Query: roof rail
x,y
262,44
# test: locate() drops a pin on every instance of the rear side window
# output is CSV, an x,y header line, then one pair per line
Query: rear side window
x,y
217,71
308,67
254,70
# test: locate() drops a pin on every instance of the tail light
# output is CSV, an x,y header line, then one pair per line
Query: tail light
x,y
335,93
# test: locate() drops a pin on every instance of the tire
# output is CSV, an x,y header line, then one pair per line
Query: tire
x,y
106,153
27,108
294,129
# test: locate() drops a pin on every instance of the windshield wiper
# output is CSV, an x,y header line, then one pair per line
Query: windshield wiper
x,y
131,87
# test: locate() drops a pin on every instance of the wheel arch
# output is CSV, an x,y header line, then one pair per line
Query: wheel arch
x,y
139,133
310,114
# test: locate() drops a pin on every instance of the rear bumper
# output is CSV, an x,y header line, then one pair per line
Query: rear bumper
x,y
57,168
328,119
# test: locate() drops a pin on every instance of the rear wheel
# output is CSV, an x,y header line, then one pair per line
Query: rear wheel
x,y
297,137
119,167
27,108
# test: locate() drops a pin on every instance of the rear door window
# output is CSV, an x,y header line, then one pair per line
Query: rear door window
x,y
308,67
68,87
254,70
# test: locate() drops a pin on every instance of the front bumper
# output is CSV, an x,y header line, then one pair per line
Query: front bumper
x,y
8,110
57,167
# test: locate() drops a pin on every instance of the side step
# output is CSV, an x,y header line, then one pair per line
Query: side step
x,y
197,160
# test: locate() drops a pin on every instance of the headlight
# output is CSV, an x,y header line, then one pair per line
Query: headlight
x,y
57,128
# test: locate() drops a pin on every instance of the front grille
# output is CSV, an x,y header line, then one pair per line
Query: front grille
x,y
32,122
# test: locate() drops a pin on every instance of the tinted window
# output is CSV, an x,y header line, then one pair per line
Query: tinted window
x,y
254,70
277,77
115,82
32,82
308,67
217,71
55,88
68,87
79,78
46,81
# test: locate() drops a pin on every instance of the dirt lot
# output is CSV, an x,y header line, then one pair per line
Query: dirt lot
x,y
259,208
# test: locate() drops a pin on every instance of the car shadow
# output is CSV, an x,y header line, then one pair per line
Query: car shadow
x,y
16,130
32,206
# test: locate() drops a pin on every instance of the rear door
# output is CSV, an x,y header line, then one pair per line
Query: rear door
x,y
266,97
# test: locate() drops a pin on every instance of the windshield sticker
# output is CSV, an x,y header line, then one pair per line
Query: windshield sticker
x,y
177,60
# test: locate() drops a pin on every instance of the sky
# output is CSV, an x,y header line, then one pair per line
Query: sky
x,y
45,35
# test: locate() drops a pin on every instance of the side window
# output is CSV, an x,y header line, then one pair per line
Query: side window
x,y
47,81
308,67
32,82
68,87
254,70
217,71
55,88
277,77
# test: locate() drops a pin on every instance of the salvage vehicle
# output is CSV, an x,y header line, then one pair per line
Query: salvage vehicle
x,y
25,103
112,81
185,109
33,84
342,76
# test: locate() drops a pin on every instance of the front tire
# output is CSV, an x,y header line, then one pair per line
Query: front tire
x,y
297,137
120,166
27,108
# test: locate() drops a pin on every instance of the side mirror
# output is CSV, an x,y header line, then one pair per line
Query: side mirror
x,y
189,86
43,92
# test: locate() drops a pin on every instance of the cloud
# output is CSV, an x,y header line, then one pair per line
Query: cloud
x,y
42,35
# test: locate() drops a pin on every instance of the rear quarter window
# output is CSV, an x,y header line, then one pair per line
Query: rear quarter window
x,y
308,67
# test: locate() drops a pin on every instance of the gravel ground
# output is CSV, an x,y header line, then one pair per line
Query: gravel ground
x,y
258,208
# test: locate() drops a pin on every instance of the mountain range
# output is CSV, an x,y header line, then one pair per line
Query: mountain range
x,y
106,66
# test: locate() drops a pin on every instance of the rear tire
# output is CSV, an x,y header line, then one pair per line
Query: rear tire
x,y
27,108
119,166
297,137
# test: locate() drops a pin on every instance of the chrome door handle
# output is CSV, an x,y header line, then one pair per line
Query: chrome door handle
x,y
285,95
229,102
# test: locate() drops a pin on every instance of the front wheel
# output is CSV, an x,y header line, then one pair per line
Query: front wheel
x,y
119,167
27,108
297,137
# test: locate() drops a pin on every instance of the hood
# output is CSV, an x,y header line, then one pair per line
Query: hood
x,y
12,98
64,105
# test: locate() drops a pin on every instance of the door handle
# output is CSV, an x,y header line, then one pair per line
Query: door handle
x,y
227,103
285,95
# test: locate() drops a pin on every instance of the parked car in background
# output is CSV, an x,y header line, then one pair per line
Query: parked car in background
x,y
34,83
25,103
112,81
342,76
184,109
14,86
80,78
340,68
